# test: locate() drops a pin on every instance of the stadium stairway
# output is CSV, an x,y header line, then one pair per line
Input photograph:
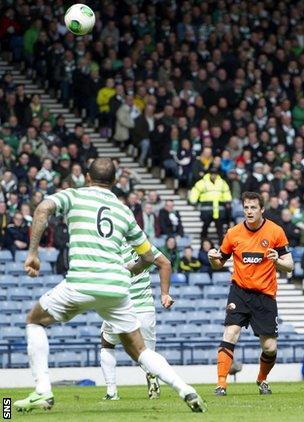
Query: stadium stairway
x,y
290,300
189,215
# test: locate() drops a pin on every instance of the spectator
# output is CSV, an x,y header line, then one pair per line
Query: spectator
x,y
4,219
206,245
76,179
149,222
87,149
170,221
274,211
188,262
154,199
292,232
144,125
103,100
16,236
202,164
171,252
213,195
61,242
125,117
46,172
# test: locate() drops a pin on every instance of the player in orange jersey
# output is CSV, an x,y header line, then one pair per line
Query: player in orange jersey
x,y
260,249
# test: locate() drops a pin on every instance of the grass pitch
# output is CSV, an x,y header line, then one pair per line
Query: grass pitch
x,y
243,403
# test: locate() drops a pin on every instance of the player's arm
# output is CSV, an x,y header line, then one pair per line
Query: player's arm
x,y
165,271
146,258
283,263
40,220
217,259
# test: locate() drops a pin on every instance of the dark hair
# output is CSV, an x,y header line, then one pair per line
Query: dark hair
x,y
253,195
102,170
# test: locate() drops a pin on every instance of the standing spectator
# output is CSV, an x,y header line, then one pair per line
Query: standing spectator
x,y
124,122
61,242
213,195
144,125
103,101
170,221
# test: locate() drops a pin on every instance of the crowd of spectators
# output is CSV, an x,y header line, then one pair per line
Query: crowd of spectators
x,y
193,85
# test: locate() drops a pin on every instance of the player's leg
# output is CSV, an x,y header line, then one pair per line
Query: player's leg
x,y
57,305
267,362
147,329
237,314
122,317
108,362
38,351
264,323
225,357
156,364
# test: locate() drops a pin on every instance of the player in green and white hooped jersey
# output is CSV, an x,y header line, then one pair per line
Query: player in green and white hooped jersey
x,y
97,222
142,298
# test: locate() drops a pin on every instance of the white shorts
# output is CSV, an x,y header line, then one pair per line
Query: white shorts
x,y
64,303
147,329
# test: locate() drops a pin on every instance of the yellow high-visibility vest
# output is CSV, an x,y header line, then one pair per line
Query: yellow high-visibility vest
x,y
205,191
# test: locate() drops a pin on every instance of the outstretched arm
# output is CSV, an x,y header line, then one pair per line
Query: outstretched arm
x,y
165,271
40,220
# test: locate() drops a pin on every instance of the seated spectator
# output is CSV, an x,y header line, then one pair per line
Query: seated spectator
x,y
148,221
134,204
206,245
64,167
46,172
21,169
188,263
12,203
76,179
170,221
37,197
17,235
48,136
202,164
8,183
291,230
154,199
60,129
87,149
61,242
123,187
4,220
171,252
38,146
185,158
274,211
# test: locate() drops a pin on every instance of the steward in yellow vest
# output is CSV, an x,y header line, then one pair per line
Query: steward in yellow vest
x,y
213,195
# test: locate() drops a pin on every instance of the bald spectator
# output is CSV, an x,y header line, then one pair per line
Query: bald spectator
x,y
292,232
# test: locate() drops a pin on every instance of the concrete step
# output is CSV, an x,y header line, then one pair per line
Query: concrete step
x,y
289,293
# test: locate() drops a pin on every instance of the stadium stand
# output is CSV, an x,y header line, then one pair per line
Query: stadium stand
x,y
227,79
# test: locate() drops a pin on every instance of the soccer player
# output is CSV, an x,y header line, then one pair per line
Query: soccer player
x,y
142,298
98,222
260,249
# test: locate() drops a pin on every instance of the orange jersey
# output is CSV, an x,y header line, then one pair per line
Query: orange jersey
x,y
252,270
